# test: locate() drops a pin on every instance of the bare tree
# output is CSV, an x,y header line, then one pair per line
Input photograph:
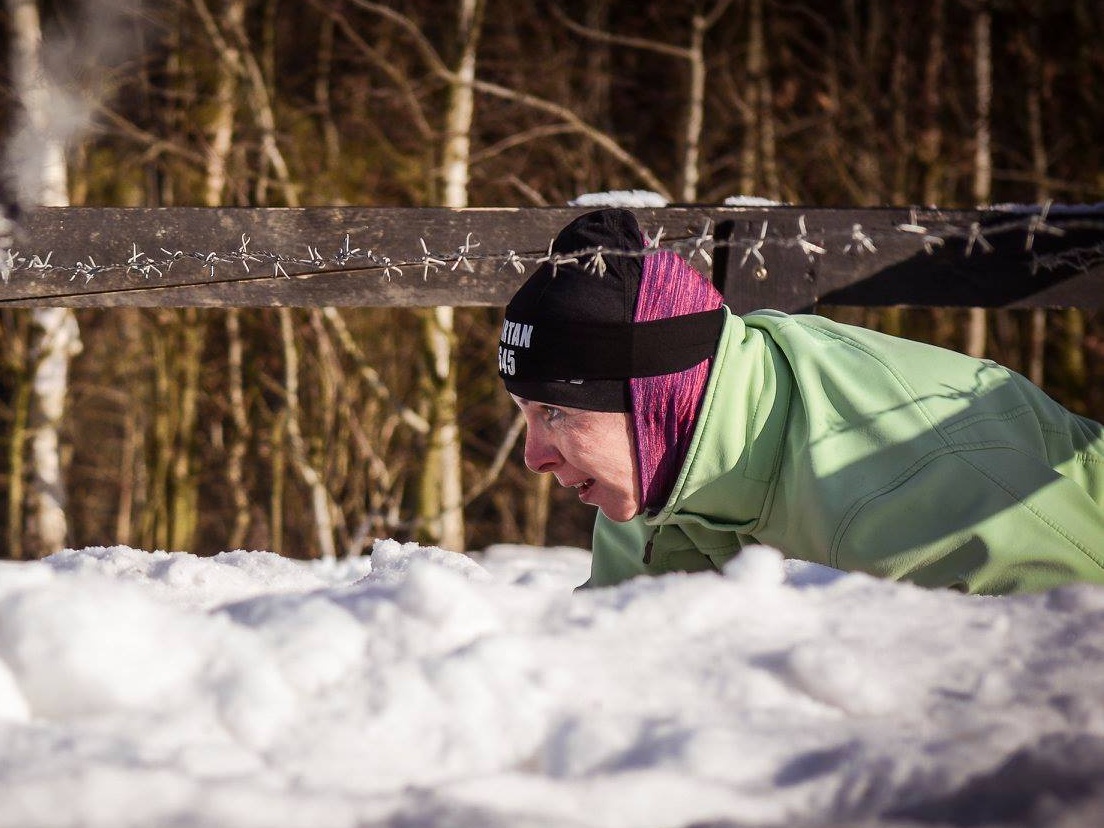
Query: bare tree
x,y
221,130
983,154
41,146
1037,319
759,169
694,57
321,505
930,148
441,512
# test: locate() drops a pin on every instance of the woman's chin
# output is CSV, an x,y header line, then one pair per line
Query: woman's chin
x,y
618,512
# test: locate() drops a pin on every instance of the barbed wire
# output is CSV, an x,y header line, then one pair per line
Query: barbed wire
x,y
694,244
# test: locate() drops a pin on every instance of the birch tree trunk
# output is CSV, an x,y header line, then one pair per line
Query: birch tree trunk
x,y
461,107
695,111
55,333
18,329
185,367
221,128
320,499
56,341
695,107
221,139
441,515
235,456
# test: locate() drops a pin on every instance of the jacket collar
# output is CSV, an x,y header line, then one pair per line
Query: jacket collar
x,y
734,454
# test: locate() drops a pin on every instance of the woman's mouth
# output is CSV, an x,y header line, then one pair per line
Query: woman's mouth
x,y
583,486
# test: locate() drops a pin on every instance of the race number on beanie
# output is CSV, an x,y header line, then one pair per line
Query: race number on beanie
x,y
568,337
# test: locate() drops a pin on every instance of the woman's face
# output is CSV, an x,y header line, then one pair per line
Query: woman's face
x,y
590,451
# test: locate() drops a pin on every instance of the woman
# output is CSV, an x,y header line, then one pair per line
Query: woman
x,y
696,432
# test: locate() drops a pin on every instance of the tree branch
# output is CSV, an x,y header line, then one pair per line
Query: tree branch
x,y
619,40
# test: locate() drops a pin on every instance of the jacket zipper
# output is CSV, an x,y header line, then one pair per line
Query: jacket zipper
x,y
648,547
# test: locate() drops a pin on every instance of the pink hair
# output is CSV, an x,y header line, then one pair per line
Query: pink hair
x,y
665,408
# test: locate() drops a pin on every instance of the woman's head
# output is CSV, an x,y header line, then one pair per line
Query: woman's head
x,y
628,333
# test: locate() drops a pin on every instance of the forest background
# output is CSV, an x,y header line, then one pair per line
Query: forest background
x,y
310,432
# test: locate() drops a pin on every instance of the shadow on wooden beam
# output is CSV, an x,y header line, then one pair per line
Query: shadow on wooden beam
x,y
966,259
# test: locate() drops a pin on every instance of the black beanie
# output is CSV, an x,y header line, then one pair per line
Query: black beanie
x,y
569,337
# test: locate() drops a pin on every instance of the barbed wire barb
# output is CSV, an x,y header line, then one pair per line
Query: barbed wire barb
x,y
860,241
653,244
698,244
344,253
754,250
1038,224
428,261
513,260
929,241
547,257
597,263
388,267
976,237
807,247
462,254
913,225
315,257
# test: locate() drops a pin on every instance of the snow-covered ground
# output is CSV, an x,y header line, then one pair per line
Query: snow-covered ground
x,y
425,688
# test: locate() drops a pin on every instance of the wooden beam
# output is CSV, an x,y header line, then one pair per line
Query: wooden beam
x,y
788,258
210,272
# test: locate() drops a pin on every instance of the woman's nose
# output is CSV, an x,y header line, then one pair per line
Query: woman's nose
x,y
540,455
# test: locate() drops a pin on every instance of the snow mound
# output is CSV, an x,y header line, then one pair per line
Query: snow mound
x,y
424,687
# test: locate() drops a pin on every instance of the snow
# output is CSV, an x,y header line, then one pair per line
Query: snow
x,y
421,687
620,198
647,198
751,201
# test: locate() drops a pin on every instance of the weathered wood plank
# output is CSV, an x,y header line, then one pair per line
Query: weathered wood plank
x,y
80,240
787,258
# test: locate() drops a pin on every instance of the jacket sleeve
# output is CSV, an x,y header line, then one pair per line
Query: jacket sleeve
x,y
992,520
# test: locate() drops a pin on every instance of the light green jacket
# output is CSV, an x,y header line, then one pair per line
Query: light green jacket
x,y
861,451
